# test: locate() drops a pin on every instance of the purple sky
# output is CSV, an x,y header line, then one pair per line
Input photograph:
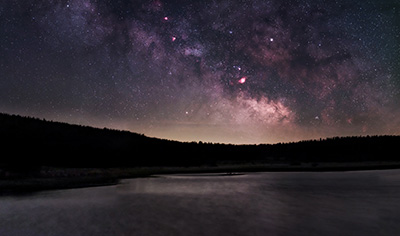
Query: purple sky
x,y
219,71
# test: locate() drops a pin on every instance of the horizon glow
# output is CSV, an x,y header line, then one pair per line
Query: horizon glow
x,y
211,71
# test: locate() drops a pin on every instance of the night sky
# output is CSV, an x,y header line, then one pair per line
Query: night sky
x,y
216,71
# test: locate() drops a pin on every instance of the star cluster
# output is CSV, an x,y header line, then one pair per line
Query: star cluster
x,y
222,71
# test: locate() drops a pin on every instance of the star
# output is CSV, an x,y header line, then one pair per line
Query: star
x,y
302,60
237,67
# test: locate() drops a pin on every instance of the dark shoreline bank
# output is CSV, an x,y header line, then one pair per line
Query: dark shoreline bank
x,y
49,155
63,178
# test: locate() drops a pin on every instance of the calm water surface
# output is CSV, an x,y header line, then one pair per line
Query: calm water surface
x,y
347,203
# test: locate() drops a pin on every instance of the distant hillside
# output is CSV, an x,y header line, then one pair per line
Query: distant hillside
x,y
33,142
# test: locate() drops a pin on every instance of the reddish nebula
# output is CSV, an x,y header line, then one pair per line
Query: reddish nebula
x,y
242,80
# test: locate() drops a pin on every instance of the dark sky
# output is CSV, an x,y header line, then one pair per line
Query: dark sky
x,y
221,71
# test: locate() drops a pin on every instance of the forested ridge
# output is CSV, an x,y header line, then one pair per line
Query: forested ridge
x,y
28,142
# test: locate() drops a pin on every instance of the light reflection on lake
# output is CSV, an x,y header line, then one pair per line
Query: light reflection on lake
x,y
342,203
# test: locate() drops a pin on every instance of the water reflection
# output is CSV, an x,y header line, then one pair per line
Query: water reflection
x,y
356,203
184,184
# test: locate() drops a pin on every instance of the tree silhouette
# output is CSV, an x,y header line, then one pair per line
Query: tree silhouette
x,y
29,143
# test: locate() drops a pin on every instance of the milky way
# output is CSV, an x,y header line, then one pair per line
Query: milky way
x,y
220,71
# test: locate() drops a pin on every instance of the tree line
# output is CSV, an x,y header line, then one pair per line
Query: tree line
x,y
28,142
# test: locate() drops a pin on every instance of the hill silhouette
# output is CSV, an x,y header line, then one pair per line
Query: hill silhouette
x,y
29,143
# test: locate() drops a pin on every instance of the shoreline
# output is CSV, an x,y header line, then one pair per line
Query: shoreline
x,y
68,178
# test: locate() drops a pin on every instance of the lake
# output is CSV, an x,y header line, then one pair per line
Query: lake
x,y
286,203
